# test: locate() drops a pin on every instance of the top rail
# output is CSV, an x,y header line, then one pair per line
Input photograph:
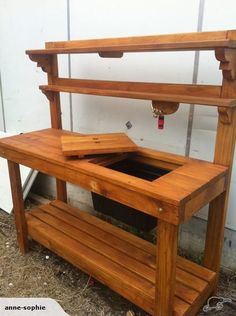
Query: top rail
x,y
171,42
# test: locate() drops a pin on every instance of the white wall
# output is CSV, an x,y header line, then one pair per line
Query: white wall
x,y
28,24
102,18
2,127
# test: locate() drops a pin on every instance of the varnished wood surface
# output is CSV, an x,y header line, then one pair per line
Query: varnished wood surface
x,y
55,106
167,245
18,206
174,160
169,42
56,121
212,91
76,145
201,95
170,286
41,150
224,154
195,179
99,249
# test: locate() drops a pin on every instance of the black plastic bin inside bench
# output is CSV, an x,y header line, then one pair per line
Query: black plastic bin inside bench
x,y
125,213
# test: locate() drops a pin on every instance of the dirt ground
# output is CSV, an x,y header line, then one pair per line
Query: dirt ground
x,y
40,273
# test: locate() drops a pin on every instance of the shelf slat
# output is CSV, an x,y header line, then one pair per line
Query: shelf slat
x,y
118,259
170,42
189,94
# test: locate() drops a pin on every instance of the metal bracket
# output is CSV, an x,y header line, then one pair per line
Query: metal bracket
x,y
43,61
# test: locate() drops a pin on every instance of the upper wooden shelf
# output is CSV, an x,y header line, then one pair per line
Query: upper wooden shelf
x,y
171,42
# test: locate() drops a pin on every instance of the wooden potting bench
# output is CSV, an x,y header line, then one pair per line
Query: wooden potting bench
x,y
152,276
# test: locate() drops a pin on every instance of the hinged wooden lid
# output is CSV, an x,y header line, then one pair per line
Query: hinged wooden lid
x,y
96,144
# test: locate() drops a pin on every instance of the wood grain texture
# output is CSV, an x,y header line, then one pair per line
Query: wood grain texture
x,y
42,150
45,146
204,197
196,181
176,160
43,61
55,106
18,206
99,248
169,42
224,153
212,91
97,144
227,60
202,98
56,122
167,243
153,277
144,247
218,207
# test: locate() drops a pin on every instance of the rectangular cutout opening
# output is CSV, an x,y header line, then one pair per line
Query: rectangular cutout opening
x,y
124,213
138,169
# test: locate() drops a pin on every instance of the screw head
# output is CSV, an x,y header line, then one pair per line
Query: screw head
x,y
160,209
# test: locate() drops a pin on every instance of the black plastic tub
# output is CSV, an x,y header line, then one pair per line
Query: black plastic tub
x,y
121,212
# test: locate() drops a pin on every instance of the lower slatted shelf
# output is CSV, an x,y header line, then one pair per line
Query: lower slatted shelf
x,y
115,257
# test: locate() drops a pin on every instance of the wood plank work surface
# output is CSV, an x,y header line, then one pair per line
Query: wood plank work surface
x,y
174,193
73,145
151,276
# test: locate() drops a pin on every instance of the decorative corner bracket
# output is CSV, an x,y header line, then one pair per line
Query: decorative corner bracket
x,y
227,58
164,107
43,61
110,54
225,115
49,94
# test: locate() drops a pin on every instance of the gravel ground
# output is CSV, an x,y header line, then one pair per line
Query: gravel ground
x,y
40,273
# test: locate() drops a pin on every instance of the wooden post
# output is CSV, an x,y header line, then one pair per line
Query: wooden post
x,y
55,111
18,205
224,152
167,243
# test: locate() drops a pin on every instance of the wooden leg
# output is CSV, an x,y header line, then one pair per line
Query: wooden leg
x,y
18,205
61,190
167,243
215,233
